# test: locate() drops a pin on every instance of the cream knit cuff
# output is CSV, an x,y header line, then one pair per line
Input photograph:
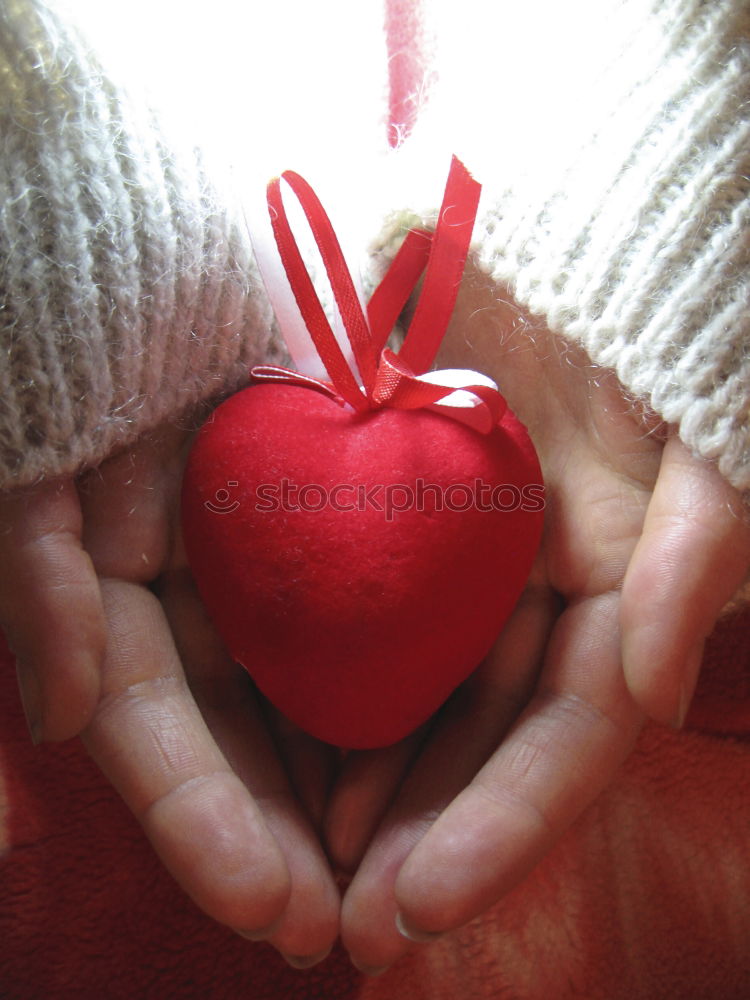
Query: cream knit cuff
x,y
614,155
127,291
616,173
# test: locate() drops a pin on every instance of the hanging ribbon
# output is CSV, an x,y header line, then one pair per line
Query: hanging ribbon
x,y
384,378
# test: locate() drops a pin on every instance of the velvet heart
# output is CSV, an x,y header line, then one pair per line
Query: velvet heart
x,y
359,565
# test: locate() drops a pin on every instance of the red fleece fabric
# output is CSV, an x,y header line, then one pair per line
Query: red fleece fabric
x,y
409,55
646,898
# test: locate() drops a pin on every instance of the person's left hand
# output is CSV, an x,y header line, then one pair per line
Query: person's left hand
x,y
643,545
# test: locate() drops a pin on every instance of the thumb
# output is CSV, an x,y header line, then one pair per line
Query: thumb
x,y
692,556
50,608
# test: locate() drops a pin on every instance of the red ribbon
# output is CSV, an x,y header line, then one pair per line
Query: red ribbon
x,y
384,378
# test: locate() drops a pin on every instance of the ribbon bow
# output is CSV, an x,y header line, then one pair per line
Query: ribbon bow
x,y
382,377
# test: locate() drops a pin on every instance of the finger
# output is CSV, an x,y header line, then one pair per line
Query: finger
x,y
226,699
369,780
310,765
150,740
692,556
50,608
310,924
562,752
127,505
365,788
473,724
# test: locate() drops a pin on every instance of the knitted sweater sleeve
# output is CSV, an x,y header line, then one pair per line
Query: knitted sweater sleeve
x,y
613,143
126,286
612,139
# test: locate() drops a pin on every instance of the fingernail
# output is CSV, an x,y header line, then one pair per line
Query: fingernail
x,y
687,686
260,935
686,697
369,970
305,961
412,933
31,699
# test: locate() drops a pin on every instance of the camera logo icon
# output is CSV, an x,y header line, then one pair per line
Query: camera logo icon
x,y
224,504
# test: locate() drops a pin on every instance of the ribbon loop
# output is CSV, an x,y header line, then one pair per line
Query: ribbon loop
x,y
397,381
450,248
342,285
307,299
389,298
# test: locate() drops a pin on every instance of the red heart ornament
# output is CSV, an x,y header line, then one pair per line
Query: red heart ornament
x,y
359,543
359,565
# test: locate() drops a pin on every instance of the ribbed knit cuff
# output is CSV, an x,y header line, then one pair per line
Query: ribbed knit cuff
x,y
127,291
616,202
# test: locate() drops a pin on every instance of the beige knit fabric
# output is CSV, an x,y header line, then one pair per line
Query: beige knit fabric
x,y
612,138
126,288
615,158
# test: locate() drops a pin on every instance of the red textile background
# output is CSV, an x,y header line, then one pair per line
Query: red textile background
x,y
410,50
646,897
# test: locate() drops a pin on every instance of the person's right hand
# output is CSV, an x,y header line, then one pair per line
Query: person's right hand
x,y
112,642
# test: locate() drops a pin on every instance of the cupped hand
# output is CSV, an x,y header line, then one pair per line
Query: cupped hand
x,y
643,546
112,642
